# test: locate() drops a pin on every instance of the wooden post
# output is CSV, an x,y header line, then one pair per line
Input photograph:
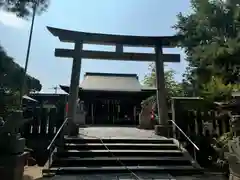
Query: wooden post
x,y
73,92
196,126
217,124
119,48
173,106
162,128
134,113
92,112
113,112
108,106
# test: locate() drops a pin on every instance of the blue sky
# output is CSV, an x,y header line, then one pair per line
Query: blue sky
x,y
128,17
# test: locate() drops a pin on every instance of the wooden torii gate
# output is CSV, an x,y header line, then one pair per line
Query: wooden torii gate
x,y
80,38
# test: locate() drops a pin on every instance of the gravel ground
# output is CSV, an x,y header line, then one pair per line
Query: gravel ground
x,y
32,173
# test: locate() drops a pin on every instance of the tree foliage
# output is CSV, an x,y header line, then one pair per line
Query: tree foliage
x,y
173,88
9,101
24,8
210,37
11,75
216,90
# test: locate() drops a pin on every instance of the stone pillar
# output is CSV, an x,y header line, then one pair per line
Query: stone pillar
x,y
73,92
12,167
12,155
162,128
235,125
234,149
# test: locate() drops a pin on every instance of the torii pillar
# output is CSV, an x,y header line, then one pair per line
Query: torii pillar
x,y
74,88
78,38
162,127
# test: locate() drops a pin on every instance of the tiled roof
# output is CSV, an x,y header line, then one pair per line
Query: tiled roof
x,y
111,82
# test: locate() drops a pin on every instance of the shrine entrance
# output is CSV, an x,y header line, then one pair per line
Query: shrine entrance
x,y
119,41
106,112
113,112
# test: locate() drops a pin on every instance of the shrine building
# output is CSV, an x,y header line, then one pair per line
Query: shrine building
x,y
112,98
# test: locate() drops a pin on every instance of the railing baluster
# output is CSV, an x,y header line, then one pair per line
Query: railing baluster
x,y
194,145
51,148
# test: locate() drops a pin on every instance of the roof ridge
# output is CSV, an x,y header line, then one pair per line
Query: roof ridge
x,y
110,74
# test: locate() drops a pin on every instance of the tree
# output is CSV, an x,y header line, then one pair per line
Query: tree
x,y
10,83
9,101
210,37
23,8
216,90
173,88
11,73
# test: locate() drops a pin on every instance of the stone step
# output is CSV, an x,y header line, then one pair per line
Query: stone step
x,y
77,140
116,161
121,146
118,153
173,170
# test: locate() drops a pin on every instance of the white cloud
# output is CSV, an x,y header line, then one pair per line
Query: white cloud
x,y
10,19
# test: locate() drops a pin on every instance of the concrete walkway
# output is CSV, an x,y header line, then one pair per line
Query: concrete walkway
x,y
117,132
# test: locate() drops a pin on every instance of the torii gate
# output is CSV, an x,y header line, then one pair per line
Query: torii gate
x,y
80,38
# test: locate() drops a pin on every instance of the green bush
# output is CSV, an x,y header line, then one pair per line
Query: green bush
x,y
221,147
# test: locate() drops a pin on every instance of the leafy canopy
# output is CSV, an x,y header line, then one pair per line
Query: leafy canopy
x,y
24,8
10,83
11,74
173,87
216,90
211,40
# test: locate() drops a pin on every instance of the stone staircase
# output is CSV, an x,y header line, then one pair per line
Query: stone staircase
x,y
88,156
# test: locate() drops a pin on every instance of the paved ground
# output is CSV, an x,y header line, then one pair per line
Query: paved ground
x,y
118,132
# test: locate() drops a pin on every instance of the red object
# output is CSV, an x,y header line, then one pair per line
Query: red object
x,y
152,115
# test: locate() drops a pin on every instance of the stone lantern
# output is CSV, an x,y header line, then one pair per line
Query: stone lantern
x,y
12,155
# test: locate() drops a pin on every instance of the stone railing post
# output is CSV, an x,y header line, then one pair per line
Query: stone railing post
x,y
12,155
234,149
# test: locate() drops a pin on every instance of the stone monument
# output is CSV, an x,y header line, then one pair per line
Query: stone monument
x,y
12,155
145,121
80,114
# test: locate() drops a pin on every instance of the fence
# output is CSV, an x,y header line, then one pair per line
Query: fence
x,y
195,117
198,122
45,121
47,115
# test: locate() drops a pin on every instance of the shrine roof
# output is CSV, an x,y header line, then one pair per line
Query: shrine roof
x,y
111,39
111,82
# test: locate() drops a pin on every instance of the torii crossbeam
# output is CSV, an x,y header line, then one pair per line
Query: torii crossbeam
x,y
80,38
